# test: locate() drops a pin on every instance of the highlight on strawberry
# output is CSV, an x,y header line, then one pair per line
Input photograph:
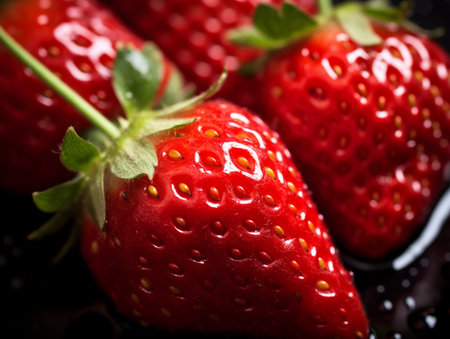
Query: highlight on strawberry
x,y
193,217
362,99
77,40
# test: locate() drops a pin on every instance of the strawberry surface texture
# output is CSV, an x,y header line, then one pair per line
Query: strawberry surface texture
x,y
223,239
194,35
77,40
368,127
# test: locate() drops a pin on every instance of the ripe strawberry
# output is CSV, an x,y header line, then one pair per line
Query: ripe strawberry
x,y
223,239
199,222
75,38
368,126
194,35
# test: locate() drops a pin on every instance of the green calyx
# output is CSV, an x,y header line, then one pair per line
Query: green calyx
x,y
124,147
275,28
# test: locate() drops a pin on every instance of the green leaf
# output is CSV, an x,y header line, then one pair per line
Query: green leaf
x,y
78,154
269,22
273,29
98,138
152,125
96,197
357,25
251,37
284,24
57,197
385,13
296,20
134,157
437,32
137,77
175,91
382,10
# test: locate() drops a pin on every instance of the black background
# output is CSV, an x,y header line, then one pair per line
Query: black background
x,y
40,300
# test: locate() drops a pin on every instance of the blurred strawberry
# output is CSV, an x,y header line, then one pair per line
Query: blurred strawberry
x,y
76,39
194,35
364,106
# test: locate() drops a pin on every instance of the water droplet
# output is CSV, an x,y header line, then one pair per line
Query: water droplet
x,y
406,283
413,271
393,335
423,320
410,302
372,334
381,289
424,262
386,306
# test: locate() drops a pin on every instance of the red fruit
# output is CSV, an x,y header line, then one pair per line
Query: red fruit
x,y
77,40
369,129
223,239
194,35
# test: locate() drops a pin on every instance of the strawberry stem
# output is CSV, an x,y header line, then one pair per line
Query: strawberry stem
x,y
79,103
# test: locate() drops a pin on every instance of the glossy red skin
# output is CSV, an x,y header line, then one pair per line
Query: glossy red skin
x,y
241,280
194,35
66,36
375,173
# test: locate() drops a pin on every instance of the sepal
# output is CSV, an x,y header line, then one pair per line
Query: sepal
x,y
96,201
78,154
56,223
352,19
137,77
290,21
134,157
55,198
274,28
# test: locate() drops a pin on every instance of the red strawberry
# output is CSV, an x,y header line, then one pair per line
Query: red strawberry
x,y
223,239
77,40
199,222
194,35
368,126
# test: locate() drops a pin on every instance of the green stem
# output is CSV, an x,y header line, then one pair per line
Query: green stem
x,y
325,7
85,108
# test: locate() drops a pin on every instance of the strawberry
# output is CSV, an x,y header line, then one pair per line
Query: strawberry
x,y
195,218
194,35
365,112
224,238
75,38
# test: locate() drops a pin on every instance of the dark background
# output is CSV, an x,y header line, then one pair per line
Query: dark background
x,y
41,300
431,14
